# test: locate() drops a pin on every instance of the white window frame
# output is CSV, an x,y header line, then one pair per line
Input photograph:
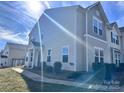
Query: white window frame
x,y
98,27
99,49
117,58
67,46
114,36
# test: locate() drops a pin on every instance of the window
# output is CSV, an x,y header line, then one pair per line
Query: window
x,y
49,55
97,26
96,55
31,58
99,55
100,28
114,38
117,41
117,58
65,54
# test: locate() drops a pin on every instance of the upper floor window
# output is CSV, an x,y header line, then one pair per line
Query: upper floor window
x,y
65,54
97,26
114,38
49,55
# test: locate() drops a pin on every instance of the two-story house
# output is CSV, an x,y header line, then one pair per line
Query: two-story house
x,y
74,36
13,54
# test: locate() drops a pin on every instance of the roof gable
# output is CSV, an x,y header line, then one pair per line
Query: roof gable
x,y
114,27
100,8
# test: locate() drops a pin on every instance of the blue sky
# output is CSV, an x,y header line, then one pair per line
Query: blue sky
x,y
18,18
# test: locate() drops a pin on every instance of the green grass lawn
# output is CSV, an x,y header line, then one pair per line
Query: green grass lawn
x,y
10,81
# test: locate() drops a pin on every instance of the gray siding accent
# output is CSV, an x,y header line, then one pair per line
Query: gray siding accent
x,y
91,13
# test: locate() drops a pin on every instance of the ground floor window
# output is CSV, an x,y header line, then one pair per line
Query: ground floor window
x,y
65,54
99,55
49,55
31,55
117,58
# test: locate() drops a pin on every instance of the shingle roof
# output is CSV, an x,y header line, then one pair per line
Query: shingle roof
x,y
112,24
96,3
15,45
9,43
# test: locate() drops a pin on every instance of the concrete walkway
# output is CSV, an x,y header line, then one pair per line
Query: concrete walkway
x,y
37,77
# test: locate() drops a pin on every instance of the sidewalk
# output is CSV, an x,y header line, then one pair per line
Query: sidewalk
x,y
37,77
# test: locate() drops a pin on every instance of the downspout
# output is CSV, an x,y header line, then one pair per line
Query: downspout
x,y
41,51
86,43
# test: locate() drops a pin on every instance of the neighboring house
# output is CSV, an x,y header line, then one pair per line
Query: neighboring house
x,y
74,36
114,43
14,54
122,43
33,49
3,59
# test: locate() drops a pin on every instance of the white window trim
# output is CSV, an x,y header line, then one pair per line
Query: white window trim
x,y
98,20
114,36
118,58
99,48
99,52
87,35
66,46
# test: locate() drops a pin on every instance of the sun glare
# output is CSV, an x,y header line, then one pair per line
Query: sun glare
x,y
35,7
